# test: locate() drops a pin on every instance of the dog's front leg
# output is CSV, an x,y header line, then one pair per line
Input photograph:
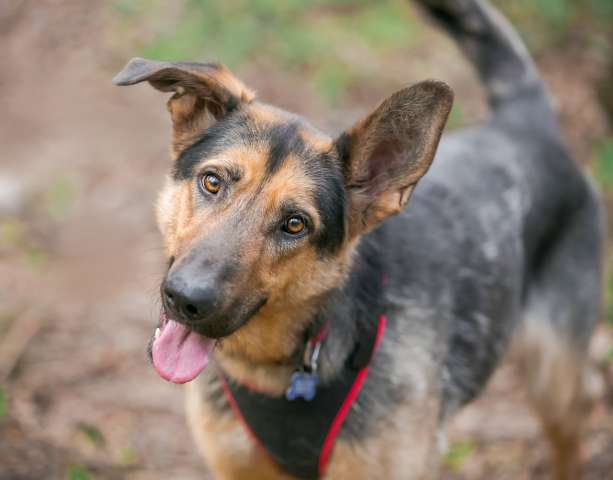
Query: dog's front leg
x,y
405,448
223,442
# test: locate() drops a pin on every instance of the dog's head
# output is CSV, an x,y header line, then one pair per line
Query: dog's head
x,y
261,211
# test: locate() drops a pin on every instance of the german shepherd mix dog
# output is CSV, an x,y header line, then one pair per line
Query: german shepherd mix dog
x,y
342,330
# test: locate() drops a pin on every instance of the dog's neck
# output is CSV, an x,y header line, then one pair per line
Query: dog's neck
x,y
266,351
269,348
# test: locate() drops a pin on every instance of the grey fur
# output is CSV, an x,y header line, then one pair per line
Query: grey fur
x,y
503,229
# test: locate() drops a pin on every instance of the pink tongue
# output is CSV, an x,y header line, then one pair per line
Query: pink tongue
x,y
180,354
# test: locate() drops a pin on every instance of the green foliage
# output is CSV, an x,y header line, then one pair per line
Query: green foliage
x,y
544,23
456,117
12,232
603,165
601,8
60,197
384,25
4,403
608,309
541,22
457,454
37,257
92,434
558,12
311,38
78,472
128,456
332,81
131,7
325,41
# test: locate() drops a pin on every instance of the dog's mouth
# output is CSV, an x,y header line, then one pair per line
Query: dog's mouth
x,y
179,353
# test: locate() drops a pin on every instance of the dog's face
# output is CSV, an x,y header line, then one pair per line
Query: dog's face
x,y
261,210
253,214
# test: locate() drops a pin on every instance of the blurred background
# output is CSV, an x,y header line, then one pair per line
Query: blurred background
x,y
81,162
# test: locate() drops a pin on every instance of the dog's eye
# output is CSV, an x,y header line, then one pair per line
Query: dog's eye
x,y
211,183
294,225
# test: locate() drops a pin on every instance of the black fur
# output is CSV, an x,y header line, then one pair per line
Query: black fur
x,y
503,230
214,140
504,223
283,139
331,203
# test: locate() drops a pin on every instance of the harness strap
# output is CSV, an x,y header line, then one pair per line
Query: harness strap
x,y
299,435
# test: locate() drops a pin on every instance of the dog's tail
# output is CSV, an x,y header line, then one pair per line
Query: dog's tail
x,y
492,45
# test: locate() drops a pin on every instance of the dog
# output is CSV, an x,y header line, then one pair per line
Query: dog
x,y
343,331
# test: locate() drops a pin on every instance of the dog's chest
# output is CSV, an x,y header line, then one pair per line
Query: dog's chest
x,y
231,454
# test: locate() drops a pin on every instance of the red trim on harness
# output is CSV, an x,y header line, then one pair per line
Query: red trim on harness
x,y
340,416
326,450
239,415
321,335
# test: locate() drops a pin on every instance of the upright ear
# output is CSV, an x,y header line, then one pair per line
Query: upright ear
x,y
203,93
386,153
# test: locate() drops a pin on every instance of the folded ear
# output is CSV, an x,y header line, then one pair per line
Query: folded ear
x,y
385,154
204,92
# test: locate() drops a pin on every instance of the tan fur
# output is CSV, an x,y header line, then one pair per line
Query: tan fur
x,y
189,118
266,114
555,373
391,454
202,93
405,128
192,111
260,352
175,212
404,449
320,142
407,451
291,183
224,443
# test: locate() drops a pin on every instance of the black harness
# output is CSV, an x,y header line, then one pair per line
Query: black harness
x,y
298,430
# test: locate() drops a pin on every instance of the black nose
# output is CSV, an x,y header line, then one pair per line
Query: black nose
x,y
190,302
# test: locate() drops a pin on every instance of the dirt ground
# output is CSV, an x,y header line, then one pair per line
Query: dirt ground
x,y
80,258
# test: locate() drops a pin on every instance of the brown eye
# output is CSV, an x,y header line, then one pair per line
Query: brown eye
x,y
294,225
211,183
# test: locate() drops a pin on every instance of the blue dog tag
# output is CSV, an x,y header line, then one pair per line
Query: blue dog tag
x,y
302,385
